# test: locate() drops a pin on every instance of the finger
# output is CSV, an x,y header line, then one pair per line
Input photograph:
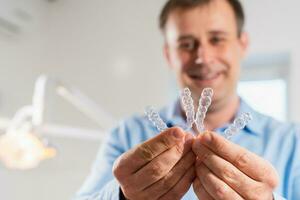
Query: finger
x,y
155,169
159,166
232,176
147,151
181,187
175,175
215,186
200,190
244,160
188,143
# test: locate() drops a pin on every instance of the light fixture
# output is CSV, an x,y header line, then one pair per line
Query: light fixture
x,y
22,146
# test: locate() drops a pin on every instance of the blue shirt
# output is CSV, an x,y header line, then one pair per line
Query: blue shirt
x,y
277,142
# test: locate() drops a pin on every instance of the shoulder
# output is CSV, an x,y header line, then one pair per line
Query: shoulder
x,y
277,131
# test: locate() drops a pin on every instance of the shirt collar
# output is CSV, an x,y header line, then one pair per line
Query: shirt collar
x,y
257,124
172,116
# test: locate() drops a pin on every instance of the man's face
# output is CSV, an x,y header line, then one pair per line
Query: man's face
x,y
203,48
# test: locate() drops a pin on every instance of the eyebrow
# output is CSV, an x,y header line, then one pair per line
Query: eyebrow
x,y
218,33
191,37
186,37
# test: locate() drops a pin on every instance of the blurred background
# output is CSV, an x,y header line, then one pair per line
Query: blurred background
x,y
112,52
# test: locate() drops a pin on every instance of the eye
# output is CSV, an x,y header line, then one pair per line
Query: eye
x,y
216,40
188,45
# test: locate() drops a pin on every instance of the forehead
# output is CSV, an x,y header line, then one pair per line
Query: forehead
x,y
214,16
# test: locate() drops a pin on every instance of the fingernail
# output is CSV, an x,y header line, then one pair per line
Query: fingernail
x,y
177,134
206,138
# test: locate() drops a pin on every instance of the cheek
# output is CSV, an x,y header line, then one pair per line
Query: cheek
x,y
231,57
181,60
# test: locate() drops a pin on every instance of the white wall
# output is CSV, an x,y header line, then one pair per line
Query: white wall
x,y
111,50
273,28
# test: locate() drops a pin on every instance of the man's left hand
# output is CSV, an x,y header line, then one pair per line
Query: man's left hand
x,y
227,171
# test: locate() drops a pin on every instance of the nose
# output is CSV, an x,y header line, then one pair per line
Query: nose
x,y
204,55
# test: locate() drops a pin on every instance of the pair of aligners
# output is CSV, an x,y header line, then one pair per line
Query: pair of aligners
x,y
203,105
188,105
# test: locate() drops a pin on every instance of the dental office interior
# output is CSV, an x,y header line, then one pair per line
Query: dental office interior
x,y
70,69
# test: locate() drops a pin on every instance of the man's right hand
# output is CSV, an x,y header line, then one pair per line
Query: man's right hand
x,y
160,168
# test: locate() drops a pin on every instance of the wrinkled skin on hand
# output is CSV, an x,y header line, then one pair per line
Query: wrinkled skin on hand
x,y
225,170
160,168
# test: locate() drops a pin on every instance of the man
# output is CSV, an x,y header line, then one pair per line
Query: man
x,y
204,45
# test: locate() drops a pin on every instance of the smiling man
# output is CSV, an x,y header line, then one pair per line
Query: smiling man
x,y
204,45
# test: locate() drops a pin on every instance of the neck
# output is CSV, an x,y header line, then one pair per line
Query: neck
x,y
221,113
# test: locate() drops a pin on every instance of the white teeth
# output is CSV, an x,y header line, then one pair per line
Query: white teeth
x,y
212,76
205,76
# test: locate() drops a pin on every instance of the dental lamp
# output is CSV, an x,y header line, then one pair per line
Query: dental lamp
x,y
22,146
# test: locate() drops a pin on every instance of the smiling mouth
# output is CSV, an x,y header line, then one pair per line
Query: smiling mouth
x,y
205,77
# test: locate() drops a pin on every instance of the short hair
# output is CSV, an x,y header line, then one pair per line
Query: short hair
x,y
171,5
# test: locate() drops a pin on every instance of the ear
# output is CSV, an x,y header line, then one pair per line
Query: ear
x,y
166,52
244,43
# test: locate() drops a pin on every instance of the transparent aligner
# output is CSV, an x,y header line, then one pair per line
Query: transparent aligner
x,y
238,124
188,106
156,120
204,103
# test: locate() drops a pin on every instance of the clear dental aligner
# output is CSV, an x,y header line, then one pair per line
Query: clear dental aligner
x,y
188,106
154,117
238,124
204,103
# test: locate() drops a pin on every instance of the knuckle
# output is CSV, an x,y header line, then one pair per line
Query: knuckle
x,y
147,152
179,149
229,174
207,178
222,191
167,183
274,180
265,173
156,171
117,170
270,176
206,156
259,192
128,192
165,142
242,160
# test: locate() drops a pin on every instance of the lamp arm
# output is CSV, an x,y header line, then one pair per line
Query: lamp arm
x,y
23,115
84,104
38,100
79,100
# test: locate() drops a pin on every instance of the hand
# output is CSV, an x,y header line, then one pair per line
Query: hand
x,y
160,168
225,170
